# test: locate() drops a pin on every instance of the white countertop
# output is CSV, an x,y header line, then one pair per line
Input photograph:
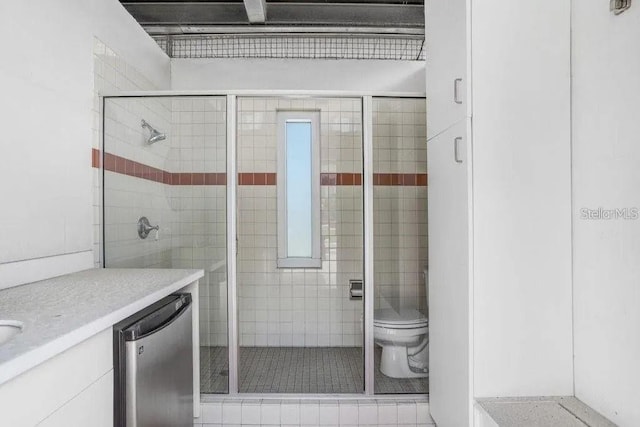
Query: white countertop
x,y
61,312
549,411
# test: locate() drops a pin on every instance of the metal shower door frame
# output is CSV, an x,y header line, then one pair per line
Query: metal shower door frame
x,y
231,212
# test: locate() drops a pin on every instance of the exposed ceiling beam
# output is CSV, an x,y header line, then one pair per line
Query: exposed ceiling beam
x,y
284,14
161,30
256,11
182,13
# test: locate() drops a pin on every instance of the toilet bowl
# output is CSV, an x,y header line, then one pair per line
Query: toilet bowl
x,y
404,338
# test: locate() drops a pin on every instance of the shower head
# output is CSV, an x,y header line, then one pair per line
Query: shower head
x,y
155,135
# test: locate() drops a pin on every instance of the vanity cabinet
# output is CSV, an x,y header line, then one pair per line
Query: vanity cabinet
x,y
74,388
59,370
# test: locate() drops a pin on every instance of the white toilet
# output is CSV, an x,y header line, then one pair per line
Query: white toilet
x,y
404,338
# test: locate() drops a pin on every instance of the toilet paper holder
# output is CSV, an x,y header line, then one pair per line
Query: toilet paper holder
x,y
356,291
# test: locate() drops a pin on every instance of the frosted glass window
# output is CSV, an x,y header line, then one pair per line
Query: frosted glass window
x,y
299,205
298,190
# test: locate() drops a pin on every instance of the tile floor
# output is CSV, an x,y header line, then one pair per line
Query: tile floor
x,y
299,370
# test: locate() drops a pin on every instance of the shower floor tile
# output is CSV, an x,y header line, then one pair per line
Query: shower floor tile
x,y
299,370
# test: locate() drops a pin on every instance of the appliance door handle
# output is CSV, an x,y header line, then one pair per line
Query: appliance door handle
x,y
456,149
456,91
144,332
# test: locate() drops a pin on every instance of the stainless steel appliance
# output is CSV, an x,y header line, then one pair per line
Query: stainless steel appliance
x,y
153,366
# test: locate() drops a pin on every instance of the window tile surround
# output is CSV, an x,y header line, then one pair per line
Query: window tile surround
x,y
295,306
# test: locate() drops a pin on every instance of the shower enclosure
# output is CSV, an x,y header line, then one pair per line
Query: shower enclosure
x,y
180,185
288,204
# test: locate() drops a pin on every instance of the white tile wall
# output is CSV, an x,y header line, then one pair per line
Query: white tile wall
x,y
128,198
192,219
199,126
199,238
290,412
199,241
400,242
400,212
112,73
299,307
341,132
399,135
278,307
125,136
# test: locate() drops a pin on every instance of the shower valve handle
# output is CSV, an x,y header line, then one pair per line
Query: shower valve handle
x,y
145,227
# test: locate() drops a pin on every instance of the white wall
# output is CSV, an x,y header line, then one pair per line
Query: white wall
x,y
606,154
522,195
46,78
297,74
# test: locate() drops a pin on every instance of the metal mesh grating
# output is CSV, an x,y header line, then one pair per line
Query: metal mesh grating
x,y
162,42
406,48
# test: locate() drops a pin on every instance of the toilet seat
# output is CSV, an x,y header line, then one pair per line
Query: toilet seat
x,y
405,319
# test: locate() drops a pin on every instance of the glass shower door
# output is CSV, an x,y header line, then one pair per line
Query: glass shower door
x,y
299,331
164,159
400,245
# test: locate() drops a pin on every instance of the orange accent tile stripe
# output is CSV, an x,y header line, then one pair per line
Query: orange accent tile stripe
x,y
386,179
95,158
260,178
128,167
341,178
269,178
400,179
